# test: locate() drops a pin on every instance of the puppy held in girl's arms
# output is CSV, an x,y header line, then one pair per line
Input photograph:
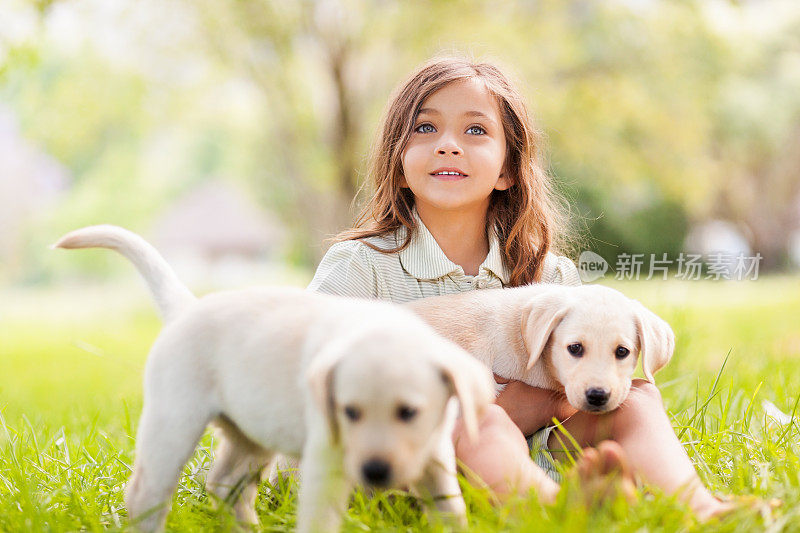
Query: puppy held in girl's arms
x,y
583,341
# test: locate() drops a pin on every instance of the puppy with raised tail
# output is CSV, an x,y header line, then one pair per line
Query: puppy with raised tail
x,y
362,390
583,341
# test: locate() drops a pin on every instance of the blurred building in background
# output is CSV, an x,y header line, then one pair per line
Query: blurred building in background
x,y
31,183
215,235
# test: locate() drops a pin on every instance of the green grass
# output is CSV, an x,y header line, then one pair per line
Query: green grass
x,y
70,398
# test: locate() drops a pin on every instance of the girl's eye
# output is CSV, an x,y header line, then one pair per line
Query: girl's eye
x,y
476,130
425,128
576,349
622,352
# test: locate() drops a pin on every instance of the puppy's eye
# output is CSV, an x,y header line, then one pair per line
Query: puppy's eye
x,y
576,349
406,413
622,352
352,413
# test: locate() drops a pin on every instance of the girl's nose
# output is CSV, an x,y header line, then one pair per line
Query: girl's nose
x,y
448,147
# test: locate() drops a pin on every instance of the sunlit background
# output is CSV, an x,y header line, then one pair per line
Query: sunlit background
x,y
234,135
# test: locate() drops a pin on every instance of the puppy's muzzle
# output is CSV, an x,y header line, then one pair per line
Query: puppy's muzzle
x,y
597,397
377,472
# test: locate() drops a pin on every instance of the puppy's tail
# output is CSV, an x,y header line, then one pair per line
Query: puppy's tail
x,y
171,296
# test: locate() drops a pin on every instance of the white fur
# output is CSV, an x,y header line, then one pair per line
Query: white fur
x,y
275,369
523,333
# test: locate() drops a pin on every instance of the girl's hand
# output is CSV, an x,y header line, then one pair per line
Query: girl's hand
x,y
531,408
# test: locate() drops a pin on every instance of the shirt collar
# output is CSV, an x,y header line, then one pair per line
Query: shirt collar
x,y
424,259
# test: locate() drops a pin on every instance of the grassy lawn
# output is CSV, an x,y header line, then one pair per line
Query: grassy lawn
x,y
70,398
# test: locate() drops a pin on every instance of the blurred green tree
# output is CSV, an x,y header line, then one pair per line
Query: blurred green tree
x,y
657,117
755,143
623,95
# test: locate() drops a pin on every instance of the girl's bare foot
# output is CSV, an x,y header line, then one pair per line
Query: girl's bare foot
x,y
720,508
713,509
603,474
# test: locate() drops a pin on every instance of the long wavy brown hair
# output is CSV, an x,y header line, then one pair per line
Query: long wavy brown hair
x,y
528,217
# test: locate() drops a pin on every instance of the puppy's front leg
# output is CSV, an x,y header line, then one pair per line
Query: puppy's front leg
x,y
324,489
440,482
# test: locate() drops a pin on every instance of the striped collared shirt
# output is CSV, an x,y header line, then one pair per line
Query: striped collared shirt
x,y
351,268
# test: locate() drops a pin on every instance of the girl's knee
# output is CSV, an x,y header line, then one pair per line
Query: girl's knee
x,y
494,426
643,403
493,423
643,391
495,418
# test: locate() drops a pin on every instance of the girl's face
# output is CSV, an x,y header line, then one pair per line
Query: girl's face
x,y
455,155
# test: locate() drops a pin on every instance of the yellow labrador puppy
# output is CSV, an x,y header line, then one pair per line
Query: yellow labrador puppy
x,y
362,390
583,341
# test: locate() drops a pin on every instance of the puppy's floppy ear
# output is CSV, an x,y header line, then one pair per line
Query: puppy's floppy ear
x,y
656,340
319,379
540,317
469,380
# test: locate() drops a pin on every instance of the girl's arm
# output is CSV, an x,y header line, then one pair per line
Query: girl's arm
x,y
532,408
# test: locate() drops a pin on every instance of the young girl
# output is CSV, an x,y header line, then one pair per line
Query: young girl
x,y
462,202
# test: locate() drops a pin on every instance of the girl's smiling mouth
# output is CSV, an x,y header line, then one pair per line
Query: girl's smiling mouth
x,y
449,173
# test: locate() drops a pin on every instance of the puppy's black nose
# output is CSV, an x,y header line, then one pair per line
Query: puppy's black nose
x,y
376,472
597,397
